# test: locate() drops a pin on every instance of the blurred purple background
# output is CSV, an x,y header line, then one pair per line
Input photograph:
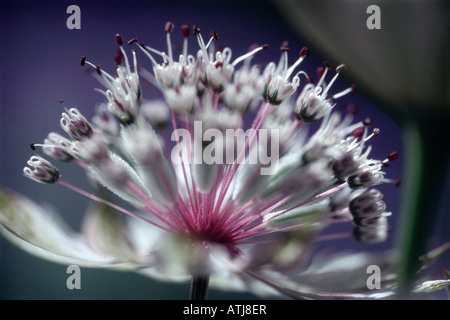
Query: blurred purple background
x,y
39,65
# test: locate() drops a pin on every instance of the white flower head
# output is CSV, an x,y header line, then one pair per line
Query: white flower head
x,y
222,218
43,171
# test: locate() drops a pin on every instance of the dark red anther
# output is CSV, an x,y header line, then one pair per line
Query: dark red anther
x,y
32,146
83,61
352,87
196,30
358,133
99,70
327,65
133,40
264,46
118,57
219,64
393,156
118,39
61,101
320,71
214,35
367,122
185,30
398,182
169,27
304,52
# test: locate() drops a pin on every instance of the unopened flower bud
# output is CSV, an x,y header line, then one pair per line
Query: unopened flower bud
x,y
76,125
156,112
346,165
168,75
181,99
92,151
58,147
310,106
368,204
44,171
375,233
105,121
279,89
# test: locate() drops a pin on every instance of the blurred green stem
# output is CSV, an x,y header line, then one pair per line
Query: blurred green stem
x,y
426,151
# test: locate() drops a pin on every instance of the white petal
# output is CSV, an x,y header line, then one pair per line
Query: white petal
x,y
43,234
108,232
342,276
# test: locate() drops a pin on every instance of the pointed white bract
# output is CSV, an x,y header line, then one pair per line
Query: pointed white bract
x,y
41,170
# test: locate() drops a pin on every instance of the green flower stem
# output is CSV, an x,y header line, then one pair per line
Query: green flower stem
x,y
426,158
199,287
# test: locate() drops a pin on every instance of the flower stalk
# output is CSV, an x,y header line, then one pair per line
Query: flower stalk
x,y
199,287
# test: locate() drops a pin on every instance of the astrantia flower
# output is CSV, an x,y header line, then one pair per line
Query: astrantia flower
x,y
211,196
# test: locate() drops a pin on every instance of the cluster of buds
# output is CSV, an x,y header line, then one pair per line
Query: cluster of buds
x,y
369,216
